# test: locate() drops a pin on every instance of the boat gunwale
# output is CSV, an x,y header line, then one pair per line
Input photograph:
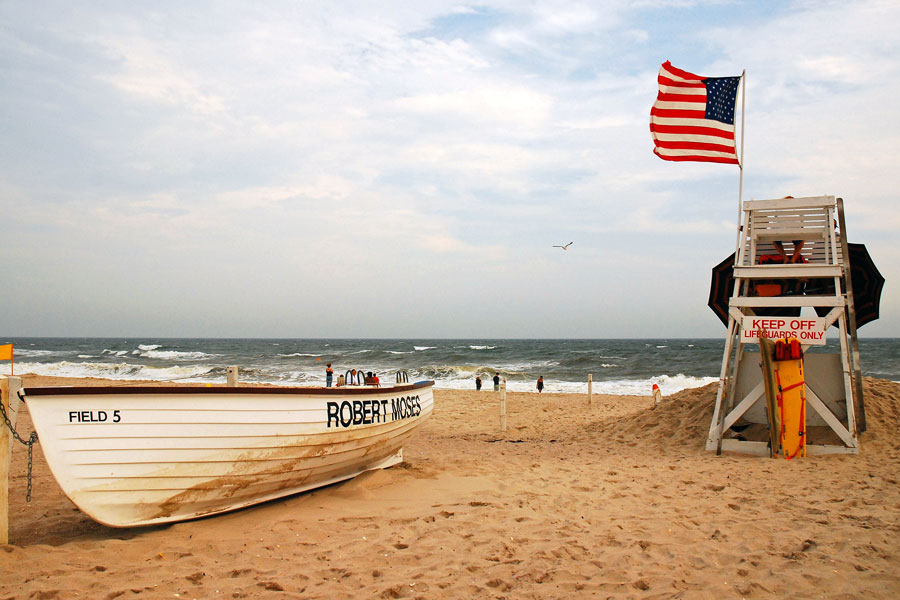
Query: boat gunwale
x,y
200,389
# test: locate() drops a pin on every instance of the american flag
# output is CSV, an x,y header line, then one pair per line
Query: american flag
x,y
693,117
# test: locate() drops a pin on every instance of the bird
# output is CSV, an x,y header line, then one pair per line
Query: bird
x,y
566,247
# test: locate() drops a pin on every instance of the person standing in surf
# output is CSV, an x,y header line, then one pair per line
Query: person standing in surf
x,y
329,375
540,384
478,383
496,382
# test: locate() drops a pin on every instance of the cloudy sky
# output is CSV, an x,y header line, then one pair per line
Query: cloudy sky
x,y
403,169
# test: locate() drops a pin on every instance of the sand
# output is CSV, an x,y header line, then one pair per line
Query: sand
x,y
575,501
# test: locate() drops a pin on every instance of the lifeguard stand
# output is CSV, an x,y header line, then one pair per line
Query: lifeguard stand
x,y
833,382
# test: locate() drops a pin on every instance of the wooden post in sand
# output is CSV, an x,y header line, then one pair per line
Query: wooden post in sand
x,y
10,402
503,406
231,376
590,388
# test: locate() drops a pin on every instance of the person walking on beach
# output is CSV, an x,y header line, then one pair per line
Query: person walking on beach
x,y
478,383
329,374
540,384
496,382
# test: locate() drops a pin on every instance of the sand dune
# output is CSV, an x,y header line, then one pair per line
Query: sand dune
x,y
612,499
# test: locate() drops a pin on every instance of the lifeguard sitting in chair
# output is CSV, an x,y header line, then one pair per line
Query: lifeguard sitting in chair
x,y
771,287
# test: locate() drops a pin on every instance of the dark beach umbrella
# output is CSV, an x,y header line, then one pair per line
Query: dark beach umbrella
x,y
867,284
721,287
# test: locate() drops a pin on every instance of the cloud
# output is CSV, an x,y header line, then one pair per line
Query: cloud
x,y
148,76
259,148
511,106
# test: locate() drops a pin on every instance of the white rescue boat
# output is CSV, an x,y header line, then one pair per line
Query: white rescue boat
x,y
129,456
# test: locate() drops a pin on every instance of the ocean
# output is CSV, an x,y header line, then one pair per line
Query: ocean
x,y
618,366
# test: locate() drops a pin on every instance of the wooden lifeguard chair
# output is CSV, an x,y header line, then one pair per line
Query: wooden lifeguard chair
x,y
820,281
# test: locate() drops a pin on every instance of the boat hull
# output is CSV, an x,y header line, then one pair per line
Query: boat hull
x,y
130,456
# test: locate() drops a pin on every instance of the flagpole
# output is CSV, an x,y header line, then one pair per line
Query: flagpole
x,y
737,245
732,323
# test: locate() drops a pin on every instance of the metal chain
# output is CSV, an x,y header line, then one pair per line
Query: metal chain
x,y
30,443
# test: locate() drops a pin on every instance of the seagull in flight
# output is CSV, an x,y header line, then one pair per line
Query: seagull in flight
x,y
566,247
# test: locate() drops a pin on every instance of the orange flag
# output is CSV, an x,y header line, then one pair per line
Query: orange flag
x,y
6,352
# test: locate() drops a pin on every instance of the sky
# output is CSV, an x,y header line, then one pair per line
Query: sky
x,y
403,169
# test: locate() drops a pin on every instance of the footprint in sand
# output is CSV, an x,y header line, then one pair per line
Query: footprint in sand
x,y
241,572
196,577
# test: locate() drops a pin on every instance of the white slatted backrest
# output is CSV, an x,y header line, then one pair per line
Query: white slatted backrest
x,y
810,219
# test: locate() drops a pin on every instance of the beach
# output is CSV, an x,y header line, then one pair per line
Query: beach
x,y
614,498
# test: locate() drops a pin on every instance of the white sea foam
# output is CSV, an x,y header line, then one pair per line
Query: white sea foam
x,y
669,384
29,353
445,376
298,354
175,355
619,387
148,347
541,363
123,370
482,347
424,347
115,352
